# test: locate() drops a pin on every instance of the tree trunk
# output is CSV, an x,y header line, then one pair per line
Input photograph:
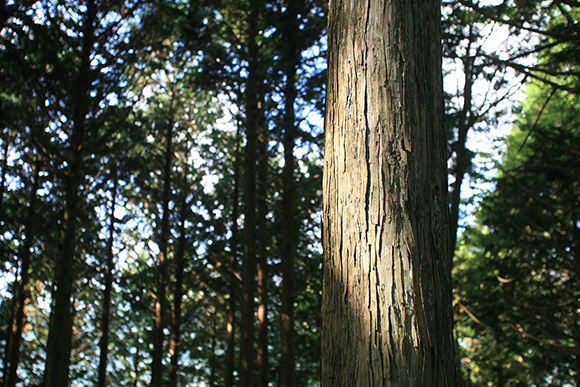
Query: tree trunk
x,y
461,165
213,357
233,281
160,299
289,226
21,288
11,317
3,167
247,352
387,317
108,292
175,339
462,156
59,344
262,209
136,362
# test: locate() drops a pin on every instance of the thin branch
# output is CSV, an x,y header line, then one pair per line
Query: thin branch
x,y
472,316
530,336
537,119
560,305
528,71
515,24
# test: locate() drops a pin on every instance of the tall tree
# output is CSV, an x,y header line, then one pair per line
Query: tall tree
x,y
176,312
3,167
108,285
162,264
387,293
291,60
233,283
60,336
249,263
263,362
22,287
300,24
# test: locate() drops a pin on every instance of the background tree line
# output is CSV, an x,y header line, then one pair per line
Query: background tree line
x,y
160,191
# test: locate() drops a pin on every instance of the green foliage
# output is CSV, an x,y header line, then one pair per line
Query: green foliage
x,y
517,276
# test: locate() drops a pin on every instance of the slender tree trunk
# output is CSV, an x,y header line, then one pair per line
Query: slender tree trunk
x,y
175,338
289,224
212,356
262,348
387,317
247,352
108,292
7,343
59,345
288,243
21,288
136,361
3,167
262,209
160,299
233,281
462,155
462,163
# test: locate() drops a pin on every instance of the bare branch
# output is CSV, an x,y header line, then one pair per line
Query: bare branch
x,y
516,24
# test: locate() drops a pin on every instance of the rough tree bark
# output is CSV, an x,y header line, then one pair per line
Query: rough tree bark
x,y
387,318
